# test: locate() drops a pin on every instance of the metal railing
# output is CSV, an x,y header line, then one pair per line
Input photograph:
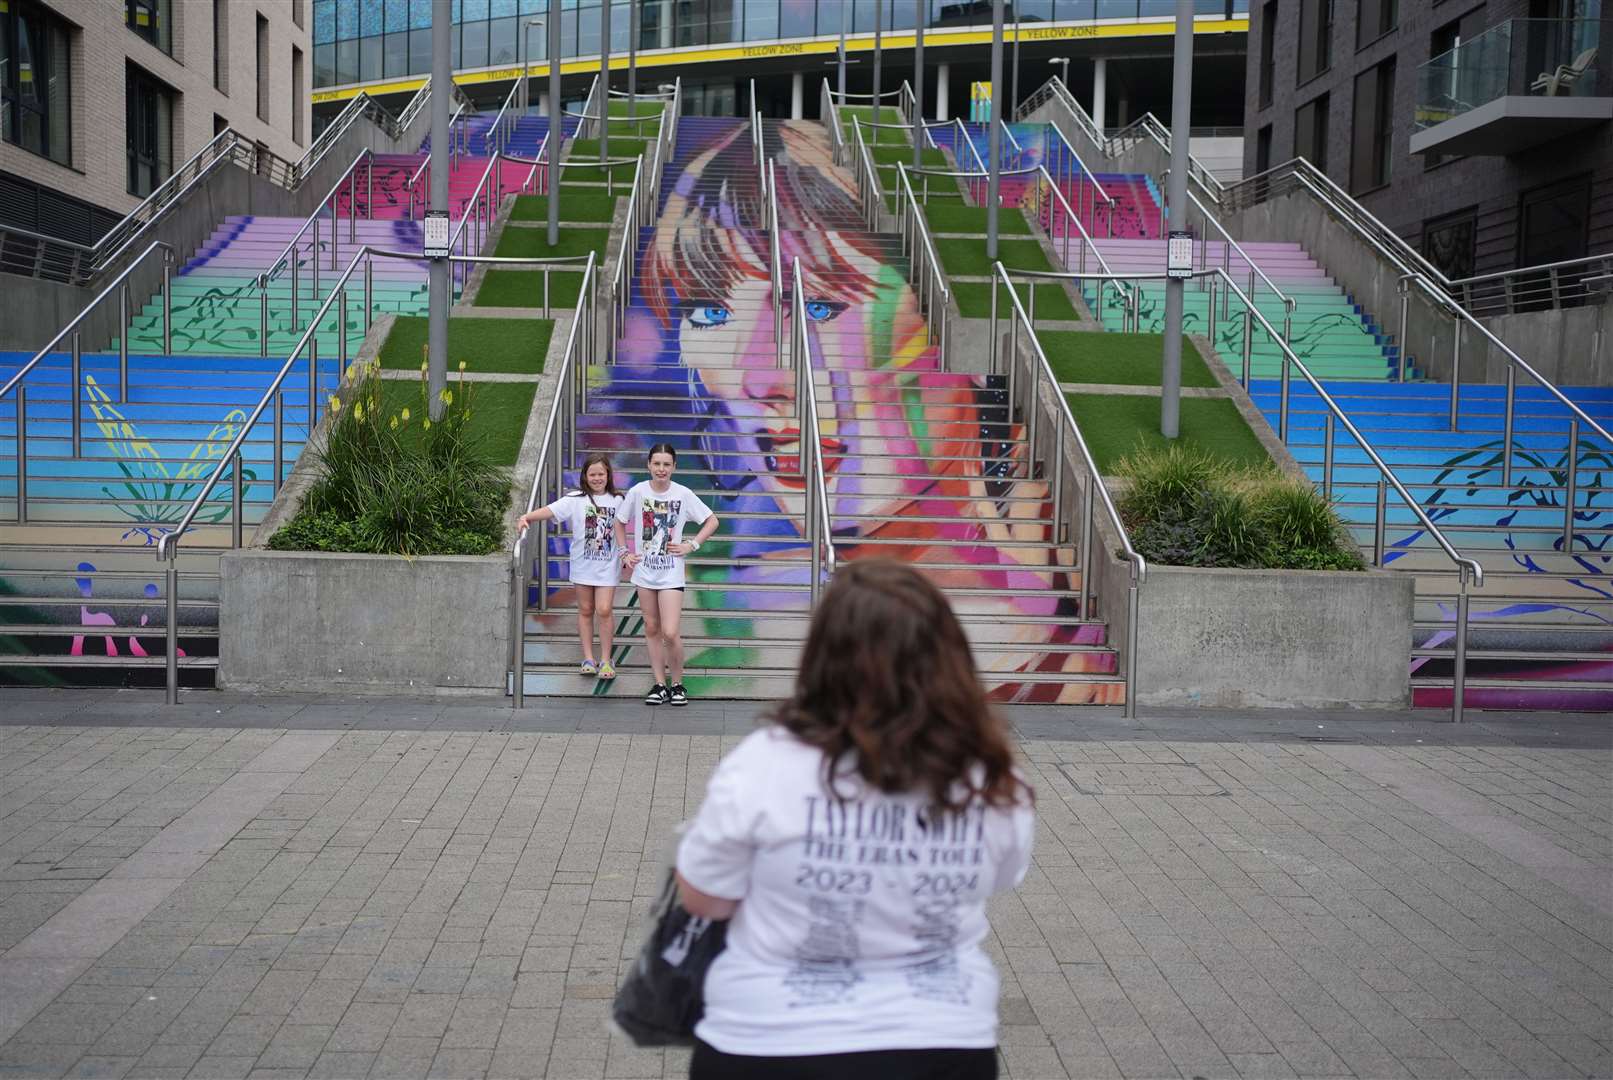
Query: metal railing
x,y
477,220
1085,180
1050,415
829,111
621,279
72,330
498,134
1547,286
775,259
1207,221
755,130
924,265
869,192
559,440
229,461
1018,150
421,177
1050,198
290,254
817,524
908,103
33,254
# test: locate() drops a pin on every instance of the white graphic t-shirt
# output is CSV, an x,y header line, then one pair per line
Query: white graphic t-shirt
x,y
860,920
654,521
595,558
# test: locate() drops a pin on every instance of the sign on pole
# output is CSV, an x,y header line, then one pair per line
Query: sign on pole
x,y
436,224
1179,254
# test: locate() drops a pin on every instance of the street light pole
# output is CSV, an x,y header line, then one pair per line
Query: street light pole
x,y
556,131
994,138
1064,62
442,95
1013,97
918,81
845,10
879,7
632,63
604,79
1170,393
526,74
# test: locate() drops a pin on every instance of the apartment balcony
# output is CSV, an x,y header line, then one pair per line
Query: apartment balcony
x,y
1519,84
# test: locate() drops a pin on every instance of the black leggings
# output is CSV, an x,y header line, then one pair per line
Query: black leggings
x,y
709,1063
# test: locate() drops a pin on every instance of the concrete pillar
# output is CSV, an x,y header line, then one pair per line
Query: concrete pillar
x,y
666,24
942,72
797,95
1100,90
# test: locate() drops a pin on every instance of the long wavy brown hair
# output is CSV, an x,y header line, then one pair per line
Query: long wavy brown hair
x,y
887,683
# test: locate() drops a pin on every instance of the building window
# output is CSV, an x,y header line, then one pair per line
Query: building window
x,y
150,126
1263,149
35,101
1449,243
296,13
297,109
1315,38
1372,135
1375,18
221,46
263,69
1310,132
1268,51
152,20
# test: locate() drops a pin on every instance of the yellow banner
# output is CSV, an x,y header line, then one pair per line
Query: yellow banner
x,y
717,54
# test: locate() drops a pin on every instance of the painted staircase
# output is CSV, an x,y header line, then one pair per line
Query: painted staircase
x,y
921,463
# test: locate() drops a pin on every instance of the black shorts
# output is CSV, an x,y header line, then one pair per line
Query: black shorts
x,y
709,1063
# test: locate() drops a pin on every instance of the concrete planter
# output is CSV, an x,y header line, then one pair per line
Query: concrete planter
x,y
1269,638
317,621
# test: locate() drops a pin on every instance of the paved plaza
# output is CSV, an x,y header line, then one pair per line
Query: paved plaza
x,y
243,887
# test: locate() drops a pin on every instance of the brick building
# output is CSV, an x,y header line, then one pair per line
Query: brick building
x,y
1442,119
100,100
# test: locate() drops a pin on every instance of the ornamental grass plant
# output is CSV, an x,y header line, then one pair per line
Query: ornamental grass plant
x,y
398,483
1184,507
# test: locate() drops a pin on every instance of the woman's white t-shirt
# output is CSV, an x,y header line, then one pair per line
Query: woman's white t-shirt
x,y
590,519
655,520
860,921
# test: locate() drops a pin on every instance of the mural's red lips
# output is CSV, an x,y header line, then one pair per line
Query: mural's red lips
x,y
787,467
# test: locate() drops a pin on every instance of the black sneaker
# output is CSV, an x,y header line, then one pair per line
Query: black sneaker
x,y
677,695
657,695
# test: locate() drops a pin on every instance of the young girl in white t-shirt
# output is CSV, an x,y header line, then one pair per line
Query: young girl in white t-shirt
x,y
853,844
653,513
589,516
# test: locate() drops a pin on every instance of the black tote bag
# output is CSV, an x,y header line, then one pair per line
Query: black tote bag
x,y
663,996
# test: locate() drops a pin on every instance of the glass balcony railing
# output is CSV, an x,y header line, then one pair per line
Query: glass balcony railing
x,y
1522,57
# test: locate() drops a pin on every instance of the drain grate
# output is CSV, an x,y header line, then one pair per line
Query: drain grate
x,y
1169,781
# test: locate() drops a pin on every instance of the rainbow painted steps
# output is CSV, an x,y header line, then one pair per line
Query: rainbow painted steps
x,y
1542,624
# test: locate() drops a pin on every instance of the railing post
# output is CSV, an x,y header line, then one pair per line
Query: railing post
x,y
1327,459
1378,523
1209,308
1456,371
1132,610
167,305
171,630
1572,491
1459,673
1507,425
313,384
1282,412
313,260
341,330
1405,327
1248,341
1088,578
279,441
22,455
237,501
123,345
518,599
263,315
369,293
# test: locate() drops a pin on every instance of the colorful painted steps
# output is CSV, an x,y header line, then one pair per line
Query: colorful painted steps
x,y
705,379
1542,624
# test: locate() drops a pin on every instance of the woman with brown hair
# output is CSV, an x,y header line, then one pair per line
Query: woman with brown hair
x,y
589,514
853,842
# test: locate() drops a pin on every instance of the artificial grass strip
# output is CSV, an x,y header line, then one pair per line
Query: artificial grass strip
x,y
635,108
594,174
619,147
498,412
513,346
524,289
1118,359
974,300
967,258
1115,425
576,204
891,155
954,217
534,243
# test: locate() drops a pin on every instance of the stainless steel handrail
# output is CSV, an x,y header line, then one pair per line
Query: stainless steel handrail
x,y
775,259
1092,178
867,179
1517,286
818,523
1065,421
1229,245
571,383
1128,297
497,138
423,169
849,96
288,253
75,409
927,275
830,114
1019,151
621,282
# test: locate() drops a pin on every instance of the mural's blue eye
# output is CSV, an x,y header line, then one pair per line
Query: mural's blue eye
x,y
823,310
708,315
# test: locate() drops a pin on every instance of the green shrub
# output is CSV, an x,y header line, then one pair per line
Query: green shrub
x,y
400,484
1184,507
